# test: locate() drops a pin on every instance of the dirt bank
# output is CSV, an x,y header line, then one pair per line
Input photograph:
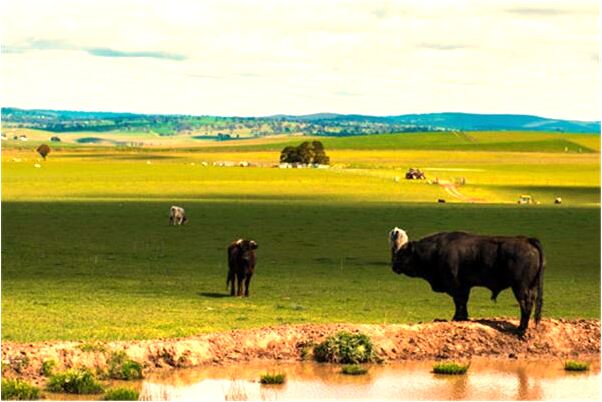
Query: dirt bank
x,y
437,340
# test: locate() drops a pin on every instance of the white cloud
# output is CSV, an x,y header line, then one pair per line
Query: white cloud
x,y
265,57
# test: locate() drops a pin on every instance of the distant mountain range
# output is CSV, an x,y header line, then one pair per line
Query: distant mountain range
x,y
459,121
326,124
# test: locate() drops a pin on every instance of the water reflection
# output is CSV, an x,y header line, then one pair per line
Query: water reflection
x,y
486,380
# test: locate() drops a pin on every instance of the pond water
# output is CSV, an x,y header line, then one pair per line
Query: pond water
x,y
485,380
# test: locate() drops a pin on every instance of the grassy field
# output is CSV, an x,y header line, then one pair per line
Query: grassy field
x,y
87,252
467,141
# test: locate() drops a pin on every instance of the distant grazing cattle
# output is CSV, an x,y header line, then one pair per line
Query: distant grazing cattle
x,y
441,201
455,262
177,216
241,265
558,200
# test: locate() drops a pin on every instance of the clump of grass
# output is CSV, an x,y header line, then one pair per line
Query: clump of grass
x,y
80,381
345,348
18,390
92,347
121,394
19,363
354,369
306,352
277,378
305,349
123,368
5,368
47,367
450,368
575,365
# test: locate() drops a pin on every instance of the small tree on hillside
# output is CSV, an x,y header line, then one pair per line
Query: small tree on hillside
x,y
43,150
307,152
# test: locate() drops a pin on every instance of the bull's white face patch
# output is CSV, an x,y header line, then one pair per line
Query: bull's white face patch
x,y
397,238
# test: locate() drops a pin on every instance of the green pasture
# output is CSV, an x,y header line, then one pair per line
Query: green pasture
x,y
116,270
357,175
87,252
453,141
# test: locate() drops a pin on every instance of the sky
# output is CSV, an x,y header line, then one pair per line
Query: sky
x,y
257,58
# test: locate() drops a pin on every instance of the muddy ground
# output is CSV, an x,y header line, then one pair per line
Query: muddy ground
x,y
494,338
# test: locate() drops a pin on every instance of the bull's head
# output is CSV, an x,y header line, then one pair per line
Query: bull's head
x,y
403,260
397,238
402,252
246,247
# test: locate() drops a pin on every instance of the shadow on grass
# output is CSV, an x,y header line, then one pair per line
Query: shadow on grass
x,y
213,295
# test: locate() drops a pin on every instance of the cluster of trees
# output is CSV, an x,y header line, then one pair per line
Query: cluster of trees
x,y
307,152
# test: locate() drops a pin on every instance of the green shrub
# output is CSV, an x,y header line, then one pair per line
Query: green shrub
x,y
354,369
278,378
80,381
17,390
121,394
450,368
345,348
575,365
122,368
47,367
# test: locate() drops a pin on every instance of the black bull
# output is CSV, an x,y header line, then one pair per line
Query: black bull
x,y
241,265
455,262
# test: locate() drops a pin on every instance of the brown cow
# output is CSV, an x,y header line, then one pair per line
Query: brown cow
x,y
241,265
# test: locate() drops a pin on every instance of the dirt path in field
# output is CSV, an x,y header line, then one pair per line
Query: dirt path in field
x,y
451,189
494,338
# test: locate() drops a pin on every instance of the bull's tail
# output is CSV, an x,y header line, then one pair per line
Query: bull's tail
x,y
539,300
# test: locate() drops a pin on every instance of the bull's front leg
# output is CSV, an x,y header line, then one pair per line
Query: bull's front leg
x,y
240,279
247,283
461,301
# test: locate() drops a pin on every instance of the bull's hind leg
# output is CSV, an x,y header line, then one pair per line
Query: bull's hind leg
x,y
232,283
240,279
461,302
525,298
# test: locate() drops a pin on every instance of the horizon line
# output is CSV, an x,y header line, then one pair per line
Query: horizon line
x,y
295,115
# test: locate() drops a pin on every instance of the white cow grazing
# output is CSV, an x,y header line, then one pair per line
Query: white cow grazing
x,y
177,216
397,238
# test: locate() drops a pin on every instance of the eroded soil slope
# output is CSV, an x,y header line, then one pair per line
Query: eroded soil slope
x,y
437,340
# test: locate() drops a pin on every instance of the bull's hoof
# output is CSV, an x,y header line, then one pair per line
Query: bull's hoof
x,y
460,319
